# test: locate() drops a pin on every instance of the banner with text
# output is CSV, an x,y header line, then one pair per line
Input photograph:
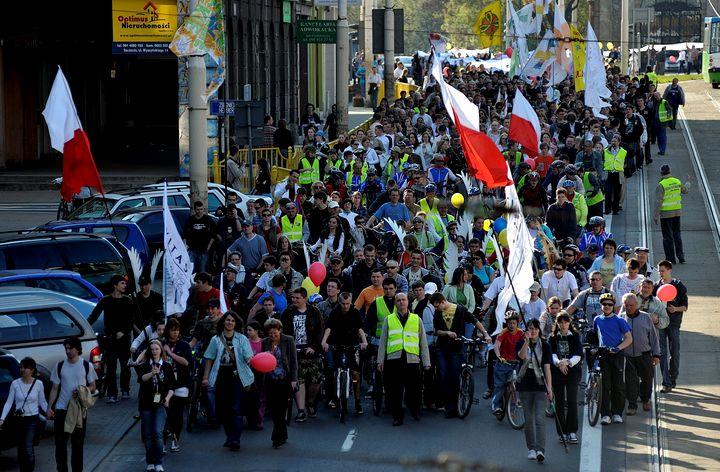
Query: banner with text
x,y
143,27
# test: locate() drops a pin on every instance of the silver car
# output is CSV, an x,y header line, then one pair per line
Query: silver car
x,y
34,322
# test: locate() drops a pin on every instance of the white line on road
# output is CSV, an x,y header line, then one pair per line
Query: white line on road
x,y
349,440
591,444
712,99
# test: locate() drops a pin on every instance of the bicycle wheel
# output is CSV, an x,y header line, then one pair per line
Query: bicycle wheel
x,y
515,412
377,394
594,399
503,406
342,390
467,392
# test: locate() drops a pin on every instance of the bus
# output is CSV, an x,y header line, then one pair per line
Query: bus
x,y
711,51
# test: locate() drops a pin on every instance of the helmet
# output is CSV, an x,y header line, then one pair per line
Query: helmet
x,y
607,296
623,249
571,169
596,221
430,188
568,183
473,191
511,315
315,298
573,248
533,176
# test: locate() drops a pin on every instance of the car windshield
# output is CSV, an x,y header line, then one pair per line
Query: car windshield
x,y
95,208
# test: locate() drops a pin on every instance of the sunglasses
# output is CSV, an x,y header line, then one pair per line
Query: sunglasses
x,y
608,304
568,255
558,269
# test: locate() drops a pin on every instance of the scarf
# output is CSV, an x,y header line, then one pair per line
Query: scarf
x,y
533,361
448,315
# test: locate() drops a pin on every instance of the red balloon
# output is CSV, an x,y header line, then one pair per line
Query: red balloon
x,y
263,362
509,51
317,273
667,292
531,162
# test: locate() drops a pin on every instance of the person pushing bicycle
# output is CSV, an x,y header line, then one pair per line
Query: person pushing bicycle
x,y
507,360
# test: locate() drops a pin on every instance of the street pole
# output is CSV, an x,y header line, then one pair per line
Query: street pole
x,y
367,7
342,65
197,107
624,36
389,52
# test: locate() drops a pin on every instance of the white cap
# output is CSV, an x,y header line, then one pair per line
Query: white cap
x,y
333,204
430,288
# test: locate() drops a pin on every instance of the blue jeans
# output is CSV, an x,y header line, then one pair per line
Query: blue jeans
x,y
228,397
449,364
501,375
25,437
199,260
153,424
661,133
670,358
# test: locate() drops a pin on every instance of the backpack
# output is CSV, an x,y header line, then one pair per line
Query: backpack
x,y
60,364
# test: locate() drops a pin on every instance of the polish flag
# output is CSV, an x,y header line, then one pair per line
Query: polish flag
x,y
68,137
482,155
524,125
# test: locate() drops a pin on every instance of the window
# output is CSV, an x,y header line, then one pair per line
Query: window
x,y
213,202
37,326
131,203
173,200
66,286
120,232
95,260
34,256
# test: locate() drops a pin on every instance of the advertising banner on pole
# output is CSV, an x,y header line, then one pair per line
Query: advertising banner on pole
x,y
143,27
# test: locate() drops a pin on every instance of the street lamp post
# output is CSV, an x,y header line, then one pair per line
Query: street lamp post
x,y
342,64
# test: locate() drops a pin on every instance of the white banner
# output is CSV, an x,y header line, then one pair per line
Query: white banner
x,y
178,267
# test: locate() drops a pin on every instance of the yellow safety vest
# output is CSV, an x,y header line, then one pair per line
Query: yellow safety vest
x,y
294,230
382,312
424,206
403,337
598,197
672,196
664,113
437,223
390,166
307,178
652,77
518,156
614,163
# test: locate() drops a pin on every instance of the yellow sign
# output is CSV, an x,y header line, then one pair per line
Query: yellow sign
x,y
578,55
488,27
143,26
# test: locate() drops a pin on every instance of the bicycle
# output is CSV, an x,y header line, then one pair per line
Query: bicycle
x,y
196,402
511,404
466,397
593,391
343,381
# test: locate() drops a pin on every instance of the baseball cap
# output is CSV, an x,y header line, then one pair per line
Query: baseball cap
x,y
430,288
231,268
593,248
333,204
642,249
246,223
535,287
569,184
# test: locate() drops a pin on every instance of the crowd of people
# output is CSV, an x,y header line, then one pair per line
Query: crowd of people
x,y
395,297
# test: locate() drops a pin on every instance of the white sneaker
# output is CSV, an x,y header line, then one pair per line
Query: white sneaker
x,y
532,455
572,438
150,467
617,419
159,468
605,420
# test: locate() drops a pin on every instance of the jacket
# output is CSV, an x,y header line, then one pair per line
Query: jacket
x,y
243,354
450,294
288,355
644,335
619,264
410,358
314,326
77,409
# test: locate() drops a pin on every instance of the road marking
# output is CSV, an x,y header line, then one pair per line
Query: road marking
x,y
712,99
591,444
608,223
349,440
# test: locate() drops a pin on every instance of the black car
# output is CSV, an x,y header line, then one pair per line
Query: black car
x,y
9,371
96,257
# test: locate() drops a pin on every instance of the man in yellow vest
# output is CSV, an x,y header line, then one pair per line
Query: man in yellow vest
x,y
614,165
668,206
403,346
430,202
594,196
309,167
293,225
664,118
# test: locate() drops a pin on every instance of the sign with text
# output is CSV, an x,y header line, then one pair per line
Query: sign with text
x,y
316,31
143,26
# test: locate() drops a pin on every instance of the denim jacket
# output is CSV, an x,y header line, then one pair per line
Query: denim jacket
x,y
243,354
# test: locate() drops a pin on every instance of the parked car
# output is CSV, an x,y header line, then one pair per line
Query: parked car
x,y
9,371
151,195
151,223
34,322
126,232
96,258
63,281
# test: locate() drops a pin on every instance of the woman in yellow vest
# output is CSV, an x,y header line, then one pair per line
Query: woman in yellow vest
x,y
309,167
614,165
403,346
668,206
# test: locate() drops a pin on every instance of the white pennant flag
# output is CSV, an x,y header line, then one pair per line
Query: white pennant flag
x,y
178,268
519,267
223,303
596,91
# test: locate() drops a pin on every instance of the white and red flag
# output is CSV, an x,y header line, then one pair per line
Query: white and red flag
x,y
525,125
68,137
482,155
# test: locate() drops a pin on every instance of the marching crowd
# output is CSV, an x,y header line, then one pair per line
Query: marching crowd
x,y
378,209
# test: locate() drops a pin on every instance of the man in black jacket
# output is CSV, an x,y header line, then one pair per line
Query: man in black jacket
x,y
120,311
631,129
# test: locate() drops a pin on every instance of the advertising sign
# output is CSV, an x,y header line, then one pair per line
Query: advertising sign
x,y
143,26
316,31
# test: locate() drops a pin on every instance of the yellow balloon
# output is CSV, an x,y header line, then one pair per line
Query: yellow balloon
x,y
308,285
502,238
609,45
457,200
487,224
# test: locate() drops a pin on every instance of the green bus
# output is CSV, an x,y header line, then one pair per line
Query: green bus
x,y
711,51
